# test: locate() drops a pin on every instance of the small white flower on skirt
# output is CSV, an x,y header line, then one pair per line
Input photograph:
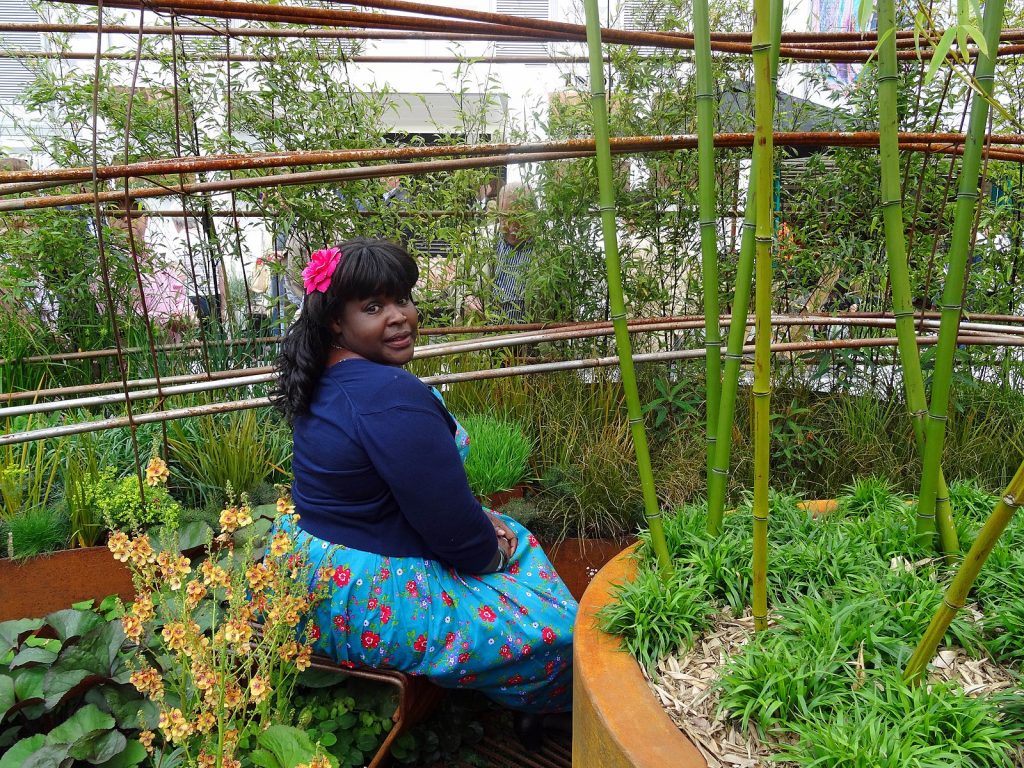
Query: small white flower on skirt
x,y
399,571
447,619
491,641
359,582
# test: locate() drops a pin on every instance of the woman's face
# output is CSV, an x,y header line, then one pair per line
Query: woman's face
x,y
380,328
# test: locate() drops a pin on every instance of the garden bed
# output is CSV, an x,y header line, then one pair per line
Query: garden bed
x,y
851,595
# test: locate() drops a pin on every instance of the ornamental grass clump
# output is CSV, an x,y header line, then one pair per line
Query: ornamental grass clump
x,y
221,644
499,455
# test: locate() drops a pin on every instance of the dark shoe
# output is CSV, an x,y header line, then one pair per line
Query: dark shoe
x,y
529,728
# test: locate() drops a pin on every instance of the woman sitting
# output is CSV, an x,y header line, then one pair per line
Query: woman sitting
x,y
425,580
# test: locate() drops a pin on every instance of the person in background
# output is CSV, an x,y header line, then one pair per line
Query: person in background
x,y
514,250
423,578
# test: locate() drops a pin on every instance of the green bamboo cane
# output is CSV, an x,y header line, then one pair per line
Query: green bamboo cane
x,y
614,268
953,292
956,594
763,140
708,212
895,245
718,479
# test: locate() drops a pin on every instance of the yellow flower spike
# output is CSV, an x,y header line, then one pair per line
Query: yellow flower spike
x,y
244,516
288,650
146,739
141,551
194,593
132,627
157,472
143,608
281,544
302,660
232,696
320,761
204,678
174,725
229,520
285,505
259,689
205,722
119,546
206,760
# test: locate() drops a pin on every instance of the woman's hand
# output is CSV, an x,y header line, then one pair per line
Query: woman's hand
x,y
507,540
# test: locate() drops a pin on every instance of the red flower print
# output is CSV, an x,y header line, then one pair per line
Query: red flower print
x,y
503,599
313,632
449,640
410,587
384,574
463,658
549,668
370,640
523,610
385,614
347,664
506,652
341,622
548,634
447,599
371,603
515,680
527,650
342,575
465,680
487,613
514,568
533,540
544,574
377,590
420,644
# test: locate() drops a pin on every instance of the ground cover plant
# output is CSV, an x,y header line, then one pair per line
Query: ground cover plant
x,y
851,596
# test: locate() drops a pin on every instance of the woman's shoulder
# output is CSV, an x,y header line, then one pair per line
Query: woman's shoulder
x,y
373,387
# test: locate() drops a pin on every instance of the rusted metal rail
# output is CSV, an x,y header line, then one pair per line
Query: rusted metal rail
x,y
243,58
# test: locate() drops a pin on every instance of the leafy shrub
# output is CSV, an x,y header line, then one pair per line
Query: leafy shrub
x,y
122,507
499,454
64,692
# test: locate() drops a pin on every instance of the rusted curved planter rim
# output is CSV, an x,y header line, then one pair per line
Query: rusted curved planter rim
x,y
617,720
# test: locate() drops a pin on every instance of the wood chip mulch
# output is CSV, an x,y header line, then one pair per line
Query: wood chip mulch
x,y
685,685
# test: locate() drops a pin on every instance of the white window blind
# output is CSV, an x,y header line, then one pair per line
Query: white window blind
x,y
14,75
532,9
643,16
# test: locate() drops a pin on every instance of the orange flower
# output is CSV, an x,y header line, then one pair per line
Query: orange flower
x,y
259,689
174,635
141,552
213,575
157,472
259,577
194,592
204,678
148,682
229,519
288,650
280,545
232,696
143,608
285,505
132,627
146,739
206,760
205,722
302,661
174,725
119,544
172,568
244,516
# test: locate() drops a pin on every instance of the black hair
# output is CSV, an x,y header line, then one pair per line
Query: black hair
x,y
367,267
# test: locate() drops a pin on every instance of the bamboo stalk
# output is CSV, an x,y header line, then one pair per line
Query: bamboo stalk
x,y
969,569
719,476
895,244
614,271
764,101
708,215
953,294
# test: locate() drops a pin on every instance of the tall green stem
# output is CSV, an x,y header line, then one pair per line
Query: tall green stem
x,y
896,250
708,212
764,99
718,479
956,594
614,268
953,293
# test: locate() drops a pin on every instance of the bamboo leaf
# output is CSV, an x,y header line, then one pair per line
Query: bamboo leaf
x,y
939,54
864,13
974,32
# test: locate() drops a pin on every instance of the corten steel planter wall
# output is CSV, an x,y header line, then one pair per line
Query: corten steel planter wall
x,y
616,720
40,585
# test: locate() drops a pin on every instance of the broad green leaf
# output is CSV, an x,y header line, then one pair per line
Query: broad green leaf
x,y
7,697
84,605
83,722
11,632
288,745
16,756
98,746
195,534
939,55
50,643
28,684
70,623
8,737
128,707
32,656
59,682
133,754
48,756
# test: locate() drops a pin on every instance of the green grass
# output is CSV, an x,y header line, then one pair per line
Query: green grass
x,y
851,594
499,454
36,531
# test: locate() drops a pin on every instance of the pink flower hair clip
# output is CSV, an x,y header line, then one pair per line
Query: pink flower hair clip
x,y
317,274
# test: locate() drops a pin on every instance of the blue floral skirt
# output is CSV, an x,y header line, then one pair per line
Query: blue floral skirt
x,y
507,634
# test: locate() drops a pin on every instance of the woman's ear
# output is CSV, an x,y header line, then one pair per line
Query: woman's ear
x,y
336,326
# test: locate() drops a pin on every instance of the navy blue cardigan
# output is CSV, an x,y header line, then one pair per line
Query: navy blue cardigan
x,y
377,469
